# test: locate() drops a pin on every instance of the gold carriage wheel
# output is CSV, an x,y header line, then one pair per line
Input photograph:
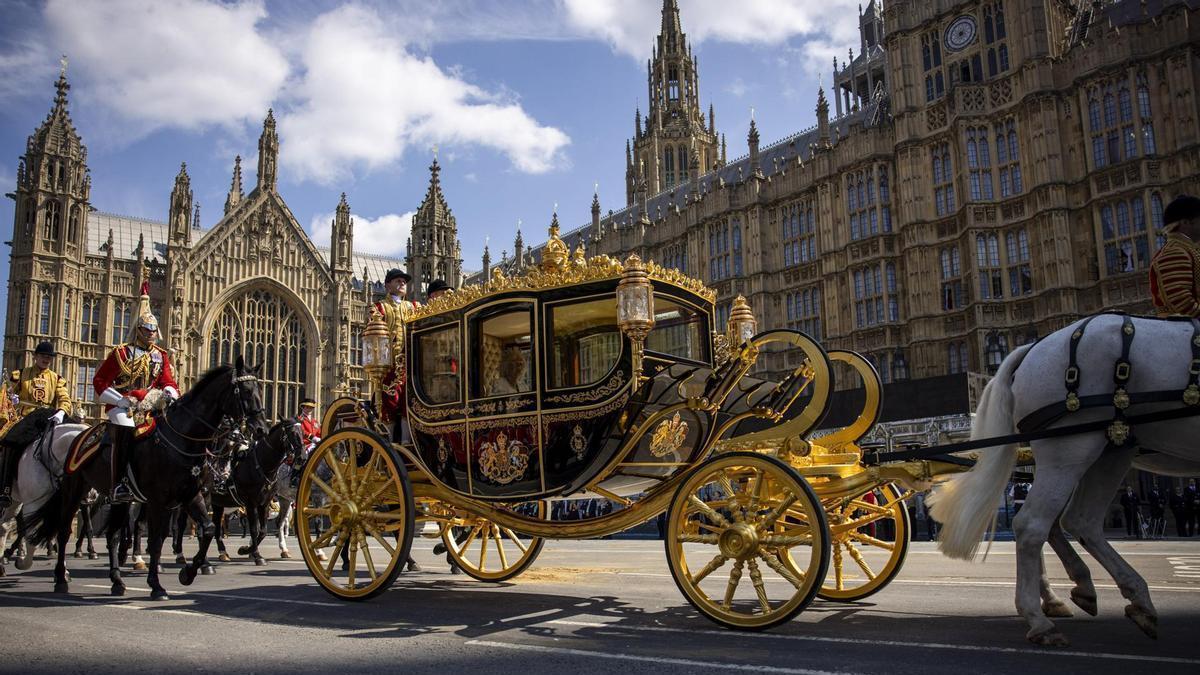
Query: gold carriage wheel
x,y
869,542
342,412
488,552
354,499
731,524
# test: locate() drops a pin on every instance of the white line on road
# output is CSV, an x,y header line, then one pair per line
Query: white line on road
x,y
234,596
859,641
705,665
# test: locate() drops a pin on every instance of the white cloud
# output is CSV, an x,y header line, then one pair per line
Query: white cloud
x,y
738,87
363,98
182,63
385,235
630,26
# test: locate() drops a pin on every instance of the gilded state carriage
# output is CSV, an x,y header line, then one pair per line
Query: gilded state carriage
x,y
599,378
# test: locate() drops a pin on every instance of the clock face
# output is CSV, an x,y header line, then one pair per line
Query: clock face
x,y
960,33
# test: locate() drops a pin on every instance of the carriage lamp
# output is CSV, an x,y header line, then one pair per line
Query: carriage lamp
x,y
635,308
742,325
376,349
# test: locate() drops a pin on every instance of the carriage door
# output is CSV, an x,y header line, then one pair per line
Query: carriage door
x,y
502,400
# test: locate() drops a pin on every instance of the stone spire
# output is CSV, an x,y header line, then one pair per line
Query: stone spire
x,y
268,154
435,231
235,189
341,238
181,207
752,144
596,210
822,119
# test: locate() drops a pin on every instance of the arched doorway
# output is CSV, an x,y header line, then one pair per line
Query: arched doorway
x,y
263,328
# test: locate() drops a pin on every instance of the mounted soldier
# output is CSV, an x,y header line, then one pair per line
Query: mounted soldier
x,y
1175,269
310,427
36,395
123,380
394,308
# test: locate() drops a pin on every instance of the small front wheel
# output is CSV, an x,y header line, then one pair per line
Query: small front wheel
x,y
743,515
489,552
870,540
354,501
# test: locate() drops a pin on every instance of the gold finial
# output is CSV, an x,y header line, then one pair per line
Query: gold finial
x,y
63,62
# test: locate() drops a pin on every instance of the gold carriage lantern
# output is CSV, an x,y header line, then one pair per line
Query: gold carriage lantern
x,y
635,307
376,348
742,325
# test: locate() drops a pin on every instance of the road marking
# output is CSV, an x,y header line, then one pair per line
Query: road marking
x,y
860,641
104,602
235,596
705,665
1185,566
931,582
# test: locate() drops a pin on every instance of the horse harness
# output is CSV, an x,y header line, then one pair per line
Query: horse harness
x,y
1119,430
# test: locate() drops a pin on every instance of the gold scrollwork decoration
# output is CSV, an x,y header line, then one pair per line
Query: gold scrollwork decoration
x,y
435,414
669,435
609,388
496,407
504,460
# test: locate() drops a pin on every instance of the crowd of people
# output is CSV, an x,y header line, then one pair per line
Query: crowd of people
x,y
1145,514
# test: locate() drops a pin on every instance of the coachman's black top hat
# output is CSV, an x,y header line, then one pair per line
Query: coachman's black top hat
x,y
437,285
396,273
1181,208
45,348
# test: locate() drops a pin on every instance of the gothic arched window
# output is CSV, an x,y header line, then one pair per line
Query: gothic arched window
x,y
73,224
263,329
50,230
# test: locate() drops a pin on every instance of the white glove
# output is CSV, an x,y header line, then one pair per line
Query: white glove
x,y
113,397
58,417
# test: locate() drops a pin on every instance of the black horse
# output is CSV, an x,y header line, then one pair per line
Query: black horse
x,y
229,444
251,484
165,467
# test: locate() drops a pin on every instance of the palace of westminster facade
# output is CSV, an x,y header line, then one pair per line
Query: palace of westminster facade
x,y
992,170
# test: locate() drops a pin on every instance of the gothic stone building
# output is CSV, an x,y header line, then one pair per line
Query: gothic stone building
x,y
994,171
252,284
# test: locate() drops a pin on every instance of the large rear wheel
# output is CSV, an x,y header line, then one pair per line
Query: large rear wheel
x,y
747,515
354,503
488,552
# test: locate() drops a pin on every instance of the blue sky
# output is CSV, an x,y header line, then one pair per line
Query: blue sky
x,y
529,103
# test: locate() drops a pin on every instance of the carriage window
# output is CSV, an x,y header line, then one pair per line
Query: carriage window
x,y
585,343
678,330
505,353
438,361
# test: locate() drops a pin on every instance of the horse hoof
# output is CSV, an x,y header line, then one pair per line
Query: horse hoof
x,y
208,570
260,561
243,550
60,587
159,595
92,555
1057,609
321,556
224,557
160,568
1085,602
285,554
187,574
139,565
1050,638
181,559
24,562
117,590
77,554
1145,620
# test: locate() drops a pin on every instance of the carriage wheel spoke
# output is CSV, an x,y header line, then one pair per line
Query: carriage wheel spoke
x,y
316,511
353,562
710,528
338,480
774,564
323,540
325,488
858,558
781,541
708,511
708,569
697,539
516,540
366,549
735,576
871,541
779,510
379,538
337,554
839,580
500,548
390,516
759,587
755,491
869,507
462,550
483,549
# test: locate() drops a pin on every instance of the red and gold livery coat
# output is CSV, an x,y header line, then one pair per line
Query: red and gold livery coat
x,y
132,370
39,388
1175,277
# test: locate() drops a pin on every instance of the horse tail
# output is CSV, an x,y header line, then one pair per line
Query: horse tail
x,y
41,525
967,504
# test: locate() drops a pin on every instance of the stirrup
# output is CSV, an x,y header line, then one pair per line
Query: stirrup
x,y
121,494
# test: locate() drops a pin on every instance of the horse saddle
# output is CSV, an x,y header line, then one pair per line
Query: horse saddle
x,y
86,446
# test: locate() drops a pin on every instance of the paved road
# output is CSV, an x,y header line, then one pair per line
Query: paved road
x,y
591,606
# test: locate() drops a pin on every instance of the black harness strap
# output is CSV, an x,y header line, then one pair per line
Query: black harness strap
x,y
1119,431
1071,377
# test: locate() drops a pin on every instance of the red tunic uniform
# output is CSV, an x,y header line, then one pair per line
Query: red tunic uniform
x,y
132,371
395,313
310,430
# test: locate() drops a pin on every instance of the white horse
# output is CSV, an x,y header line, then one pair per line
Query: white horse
x,y
286,493
1077,476
36,478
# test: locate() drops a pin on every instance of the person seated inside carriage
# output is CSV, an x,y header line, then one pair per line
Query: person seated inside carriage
x,y
511,373
36,397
